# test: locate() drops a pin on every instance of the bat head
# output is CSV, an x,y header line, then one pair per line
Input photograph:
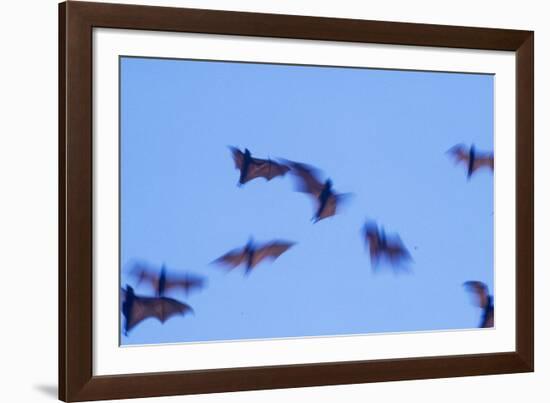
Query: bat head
x,y
247,153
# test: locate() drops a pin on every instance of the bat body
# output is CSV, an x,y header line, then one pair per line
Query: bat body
x,y
484,301
326,199
472,159
251,168
137,308
381,247
161,282
252,255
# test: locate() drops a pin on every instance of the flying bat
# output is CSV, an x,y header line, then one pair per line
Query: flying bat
x,y
137,308
161,282
484,301
252,168
252,255
471,158
381,246
326,199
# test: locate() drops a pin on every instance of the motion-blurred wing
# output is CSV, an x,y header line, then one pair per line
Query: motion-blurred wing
x,y
397,252
482,161
161,308
372,238
122,296
233,258
146,274
238,157
332,205
187,283
488,319
459,153
271,251
268,169
479,290
308,178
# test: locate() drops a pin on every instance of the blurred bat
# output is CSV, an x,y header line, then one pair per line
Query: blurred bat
x,y
252,168
161,282
473,160
136,308
380,246
326,199
484,301
251,255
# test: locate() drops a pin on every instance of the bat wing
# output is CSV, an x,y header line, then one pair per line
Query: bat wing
x,y
308,178
330,208
233,258
161,308
268,169
459,153
332,205
488,319
271,251
487,160
397,252
238,157
122,296
144,273
187,283
372,238
479,290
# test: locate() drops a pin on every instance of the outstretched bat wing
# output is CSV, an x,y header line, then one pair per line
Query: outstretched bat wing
x,y
372,238
233,258
161,308
268,169
308,176
488,319
479,290
145,273
332,205
187,283
238,157
481,161
271,251
397,252
459,153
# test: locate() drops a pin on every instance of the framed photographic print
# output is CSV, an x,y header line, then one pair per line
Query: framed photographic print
x,y
252,201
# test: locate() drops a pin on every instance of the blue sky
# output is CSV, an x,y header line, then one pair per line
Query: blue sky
x,y
379,134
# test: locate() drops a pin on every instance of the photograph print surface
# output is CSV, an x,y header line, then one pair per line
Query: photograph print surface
x,y
262,201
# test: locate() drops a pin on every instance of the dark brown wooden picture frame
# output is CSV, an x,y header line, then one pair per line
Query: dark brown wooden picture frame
x,y
76,23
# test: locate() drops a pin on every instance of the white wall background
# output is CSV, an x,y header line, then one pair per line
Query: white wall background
x,y
28,199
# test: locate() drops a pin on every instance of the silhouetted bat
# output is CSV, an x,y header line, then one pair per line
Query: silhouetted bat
x,y
161,282
252,168
251,255
473,160
325,198
380,246
137,308
484,301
